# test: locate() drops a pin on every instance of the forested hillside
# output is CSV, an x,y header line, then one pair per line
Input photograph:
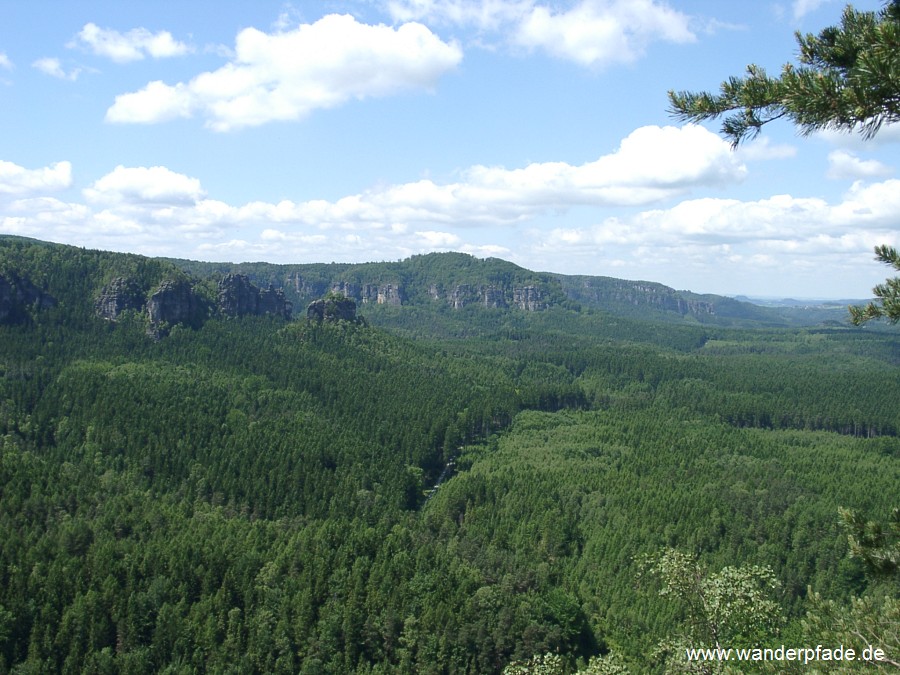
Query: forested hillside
x,y
227,491
442,281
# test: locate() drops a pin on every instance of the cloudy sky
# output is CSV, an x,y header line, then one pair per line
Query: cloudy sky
x,y
357,130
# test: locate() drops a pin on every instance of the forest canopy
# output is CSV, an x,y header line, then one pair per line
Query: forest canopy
x,y
252,494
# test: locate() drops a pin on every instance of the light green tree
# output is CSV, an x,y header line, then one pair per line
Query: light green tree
x,y
554,664
729,608
542,664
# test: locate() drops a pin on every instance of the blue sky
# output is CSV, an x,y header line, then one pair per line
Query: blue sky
x,y
360,130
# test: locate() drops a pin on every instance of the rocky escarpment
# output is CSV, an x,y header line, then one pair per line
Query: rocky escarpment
x,y
175,302
17,295
238,297
377,294
460,296
526,298
494,298
606,291
529,298
466,294
333,307
456,279
305,287
117,296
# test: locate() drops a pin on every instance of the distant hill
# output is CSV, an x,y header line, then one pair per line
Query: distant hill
x,y
458,280
435,282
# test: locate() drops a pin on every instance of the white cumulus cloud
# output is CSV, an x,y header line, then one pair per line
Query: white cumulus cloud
x,y
143,207
134,45
651,163
875,204
438,240
762,148
15,180
53,67
844,164
156,185
887,134
593,33
602,32
286,75
5,63
156,102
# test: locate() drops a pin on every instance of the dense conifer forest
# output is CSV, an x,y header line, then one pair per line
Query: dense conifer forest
x,y
425,489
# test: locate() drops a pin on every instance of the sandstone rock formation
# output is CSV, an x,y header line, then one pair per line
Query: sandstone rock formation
x,y
118,295
17,294
461,296
272,301
529,298
239,297
638,294
333,307
389,294
493,298
174,302
305,287
379,294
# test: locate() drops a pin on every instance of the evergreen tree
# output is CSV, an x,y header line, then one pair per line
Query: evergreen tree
x,y
848,77
888,293
869,542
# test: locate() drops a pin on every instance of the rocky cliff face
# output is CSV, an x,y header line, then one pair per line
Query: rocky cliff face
x,y
17,295
305,287
465,294
174,302
389,295
380,294
238,297
461,295
494,298
529,298
271,301
332,308
457,279
349,290
639,294
118,295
